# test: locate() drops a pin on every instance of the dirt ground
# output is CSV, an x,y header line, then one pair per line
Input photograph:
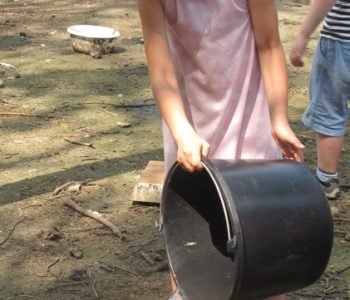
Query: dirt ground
x,y
49,251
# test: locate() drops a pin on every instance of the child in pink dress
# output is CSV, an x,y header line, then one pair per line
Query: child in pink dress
x,y
217,71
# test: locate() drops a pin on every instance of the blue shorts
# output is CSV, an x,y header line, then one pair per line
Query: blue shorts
x,y
329,88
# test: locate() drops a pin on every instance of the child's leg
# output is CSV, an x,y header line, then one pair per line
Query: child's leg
x,y
328,157
172,283
175,295
329,152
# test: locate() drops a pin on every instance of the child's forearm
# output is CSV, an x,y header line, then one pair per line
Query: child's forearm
x,y
264,20
171,107
161,68
318,10
274,74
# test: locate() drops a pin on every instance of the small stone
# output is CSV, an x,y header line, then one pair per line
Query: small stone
x,y
335,211
347,237
53,235
96,54
78,274
22,34
55,270
76,253
123,124
2,84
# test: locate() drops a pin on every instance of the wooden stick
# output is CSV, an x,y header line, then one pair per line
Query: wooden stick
x,y
343,270
118,105
80,143
147,258
53,263
13,113
10,232
126,270
67,284
94,289
108,112
6,65
112,269
96,216
308,295
68,184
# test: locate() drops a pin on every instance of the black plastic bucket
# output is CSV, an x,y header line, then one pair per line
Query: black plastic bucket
x,y
245,229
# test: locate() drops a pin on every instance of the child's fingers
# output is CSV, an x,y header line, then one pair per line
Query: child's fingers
x,y
186,166
196,161
190,160
190,156
298,150
297,61
293,151
298,155
205,149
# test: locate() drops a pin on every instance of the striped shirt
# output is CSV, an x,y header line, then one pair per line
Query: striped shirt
x,y
336,25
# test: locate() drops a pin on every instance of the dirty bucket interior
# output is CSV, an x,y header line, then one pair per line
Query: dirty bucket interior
x,y
245,230
199,254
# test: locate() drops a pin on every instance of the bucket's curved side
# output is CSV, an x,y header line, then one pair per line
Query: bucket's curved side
x,y
286,224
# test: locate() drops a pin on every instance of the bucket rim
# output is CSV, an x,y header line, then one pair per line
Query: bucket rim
x,y
229,207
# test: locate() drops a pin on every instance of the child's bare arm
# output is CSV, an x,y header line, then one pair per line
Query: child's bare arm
x,y
317,12
264,20
165,88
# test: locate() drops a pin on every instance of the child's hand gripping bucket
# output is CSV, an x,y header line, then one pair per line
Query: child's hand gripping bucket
x,y
245,229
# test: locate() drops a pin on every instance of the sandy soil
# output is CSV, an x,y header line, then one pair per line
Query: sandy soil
x,y
48,251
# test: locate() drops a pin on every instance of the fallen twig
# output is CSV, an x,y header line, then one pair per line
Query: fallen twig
x,y
96,216
67,284
10,232
126,270
118,105
68,184
31,205
111,269
147,258
330,290
108,112
308,295
107,268
94,289
6,65
14,113
53,263
79,143
343,270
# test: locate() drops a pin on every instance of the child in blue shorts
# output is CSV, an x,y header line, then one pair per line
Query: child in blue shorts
x,y
329,85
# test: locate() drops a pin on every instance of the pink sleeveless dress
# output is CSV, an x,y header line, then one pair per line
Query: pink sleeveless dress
x,y
213,50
